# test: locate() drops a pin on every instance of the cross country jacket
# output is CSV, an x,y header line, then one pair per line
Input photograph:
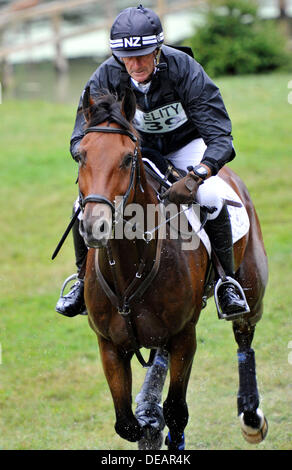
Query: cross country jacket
x,y
181,104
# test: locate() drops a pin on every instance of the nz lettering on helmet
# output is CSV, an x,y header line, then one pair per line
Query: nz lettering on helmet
x,y
136,31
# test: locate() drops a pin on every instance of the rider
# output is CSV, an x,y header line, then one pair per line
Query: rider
x,y
182,116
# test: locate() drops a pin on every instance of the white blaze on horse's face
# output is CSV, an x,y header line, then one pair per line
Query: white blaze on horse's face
x,y
96,226
102,226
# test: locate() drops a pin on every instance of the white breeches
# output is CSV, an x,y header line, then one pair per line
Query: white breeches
x,y
209,193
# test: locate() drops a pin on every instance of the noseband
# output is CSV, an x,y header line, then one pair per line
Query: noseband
x,y
134,168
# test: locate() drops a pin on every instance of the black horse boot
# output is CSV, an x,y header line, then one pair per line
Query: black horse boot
x,y
219,230
73,303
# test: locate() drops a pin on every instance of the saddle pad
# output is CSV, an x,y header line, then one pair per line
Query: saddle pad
x,y
238,215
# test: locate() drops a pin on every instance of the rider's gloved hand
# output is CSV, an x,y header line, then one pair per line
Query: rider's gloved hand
x,y
184,191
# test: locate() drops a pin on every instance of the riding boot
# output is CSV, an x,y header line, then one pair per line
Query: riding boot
x,y
73,303
220,233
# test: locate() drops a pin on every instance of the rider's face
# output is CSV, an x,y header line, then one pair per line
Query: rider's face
x,y
140,67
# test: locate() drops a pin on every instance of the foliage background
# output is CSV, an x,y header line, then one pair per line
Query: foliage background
x,y
234,40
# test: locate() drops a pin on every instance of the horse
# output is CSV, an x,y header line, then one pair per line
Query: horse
x,y
146,291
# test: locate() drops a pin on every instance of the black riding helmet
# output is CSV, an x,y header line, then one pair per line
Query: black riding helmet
x,y
136,32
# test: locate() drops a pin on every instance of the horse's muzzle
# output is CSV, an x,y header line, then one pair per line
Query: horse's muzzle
x,y
96,225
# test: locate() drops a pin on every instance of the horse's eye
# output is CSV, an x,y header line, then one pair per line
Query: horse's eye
x,y
126,161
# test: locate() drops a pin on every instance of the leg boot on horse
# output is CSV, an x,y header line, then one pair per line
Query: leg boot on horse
x,y
254,425
73,304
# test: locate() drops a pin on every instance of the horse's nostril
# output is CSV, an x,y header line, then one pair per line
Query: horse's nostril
x,y
101,230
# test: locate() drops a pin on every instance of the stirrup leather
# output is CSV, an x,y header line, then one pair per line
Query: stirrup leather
x,y
235,315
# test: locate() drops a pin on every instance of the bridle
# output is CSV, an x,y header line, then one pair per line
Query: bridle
x,y
135,169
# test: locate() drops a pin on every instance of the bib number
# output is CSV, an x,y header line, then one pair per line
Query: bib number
x,y
160,120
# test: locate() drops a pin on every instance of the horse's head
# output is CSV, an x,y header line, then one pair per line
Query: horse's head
x,y
107,163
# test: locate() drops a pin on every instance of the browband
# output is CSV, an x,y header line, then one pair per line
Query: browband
x,y
111,130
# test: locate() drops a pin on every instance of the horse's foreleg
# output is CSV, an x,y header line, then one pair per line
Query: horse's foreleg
x,y
149,411
182,349
119,377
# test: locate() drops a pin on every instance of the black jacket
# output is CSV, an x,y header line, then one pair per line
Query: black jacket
x,y
182,104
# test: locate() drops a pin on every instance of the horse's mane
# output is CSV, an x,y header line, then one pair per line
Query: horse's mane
x,y
107,108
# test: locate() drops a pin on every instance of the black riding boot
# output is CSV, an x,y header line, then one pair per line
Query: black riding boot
x,y
73,303
220,234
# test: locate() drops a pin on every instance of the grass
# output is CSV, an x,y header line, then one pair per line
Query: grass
x,y
53,394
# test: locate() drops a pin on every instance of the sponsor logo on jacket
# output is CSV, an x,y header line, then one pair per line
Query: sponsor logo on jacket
x,y
160,120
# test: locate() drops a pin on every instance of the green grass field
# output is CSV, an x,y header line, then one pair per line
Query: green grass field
x,y
53,394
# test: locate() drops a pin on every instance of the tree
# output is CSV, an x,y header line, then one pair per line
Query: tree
x,y
234,40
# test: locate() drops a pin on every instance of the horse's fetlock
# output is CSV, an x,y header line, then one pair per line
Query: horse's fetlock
x,y
247,403
252,419
129,429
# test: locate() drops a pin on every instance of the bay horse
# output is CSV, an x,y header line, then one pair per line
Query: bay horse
x,y
147,293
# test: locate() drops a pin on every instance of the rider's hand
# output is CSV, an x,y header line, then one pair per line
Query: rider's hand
x,y
184,191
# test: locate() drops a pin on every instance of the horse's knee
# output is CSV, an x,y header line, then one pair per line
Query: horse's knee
x,y
129,429
209,194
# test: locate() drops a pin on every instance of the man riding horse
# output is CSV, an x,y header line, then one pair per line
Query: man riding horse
x,y
182,118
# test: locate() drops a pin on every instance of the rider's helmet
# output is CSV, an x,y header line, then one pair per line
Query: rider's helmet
x,y
136,32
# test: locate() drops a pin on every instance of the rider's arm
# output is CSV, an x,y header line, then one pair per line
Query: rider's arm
x,y
207,111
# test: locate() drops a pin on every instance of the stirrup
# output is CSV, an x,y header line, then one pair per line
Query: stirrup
x,y
69,279
235,315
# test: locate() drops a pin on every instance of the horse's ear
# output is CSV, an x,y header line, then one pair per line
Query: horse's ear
x,y
129,104
87,102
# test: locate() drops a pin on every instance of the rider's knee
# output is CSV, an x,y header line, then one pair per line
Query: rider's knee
x,y
209,195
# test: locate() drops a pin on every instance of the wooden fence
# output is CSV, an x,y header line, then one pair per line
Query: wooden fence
x,y
55,11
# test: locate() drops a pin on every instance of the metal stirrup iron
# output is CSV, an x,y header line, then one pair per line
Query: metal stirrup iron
x,y
223,279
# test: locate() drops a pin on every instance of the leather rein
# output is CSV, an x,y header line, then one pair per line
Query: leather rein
x,y
141,282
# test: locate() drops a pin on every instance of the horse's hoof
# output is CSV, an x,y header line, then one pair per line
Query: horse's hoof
x,y
254,426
